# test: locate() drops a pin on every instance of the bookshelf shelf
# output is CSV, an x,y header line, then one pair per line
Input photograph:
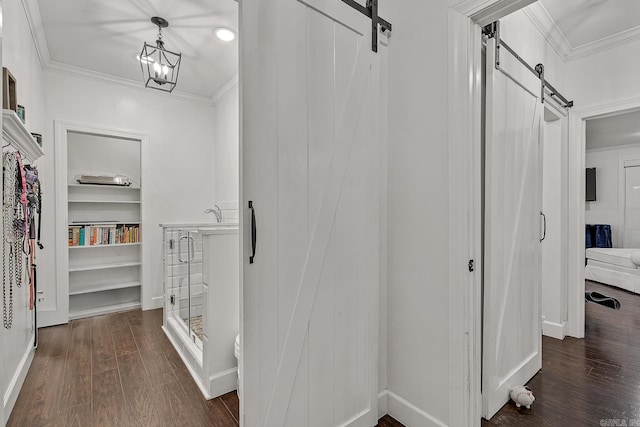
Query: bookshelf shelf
x,y
104,187
115,245
103,266
99,223
82,312
131,202
103,288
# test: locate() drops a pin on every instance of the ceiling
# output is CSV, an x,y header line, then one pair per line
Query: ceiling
x,y
102,37
578,28
621,129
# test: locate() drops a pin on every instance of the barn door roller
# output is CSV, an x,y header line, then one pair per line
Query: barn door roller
x,y
371,11
493,31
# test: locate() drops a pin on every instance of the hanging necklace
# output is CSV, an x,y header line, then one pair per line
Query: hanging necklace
x,y
9,169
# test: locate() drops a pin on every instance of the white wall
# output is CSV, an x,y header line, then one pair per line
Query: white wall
x,y
20,57
418,225
227,140
178,177
523,37
554,246
605,77
605,210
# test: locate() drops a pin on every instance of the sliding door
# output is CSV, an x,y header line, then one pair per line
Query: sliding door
x,y
311,188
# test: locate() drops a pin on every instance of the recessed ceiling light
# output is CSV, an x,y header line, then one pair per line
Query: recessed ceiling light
x,y
144,60
225,34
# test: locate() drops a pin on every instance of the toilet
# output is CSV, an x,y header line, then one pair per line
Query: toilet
x,y
236,352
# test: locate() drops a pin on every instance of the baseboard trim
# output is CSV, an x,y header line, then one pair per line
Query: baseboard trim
x,y
156,302
409,414
223,382
554,330
363,419
383,400
11,395
187,363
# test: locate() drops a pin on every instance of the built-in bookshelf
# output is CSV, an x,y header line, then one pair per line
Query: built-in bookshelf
x,y
104,226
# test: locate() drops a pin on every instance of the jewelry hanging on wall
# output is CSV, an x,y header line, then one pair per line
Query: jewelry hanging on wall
x,y
9,171
16,217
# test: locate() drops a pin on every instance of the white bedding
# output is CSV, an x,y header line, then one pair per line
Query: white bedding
x,y
615,256
613,266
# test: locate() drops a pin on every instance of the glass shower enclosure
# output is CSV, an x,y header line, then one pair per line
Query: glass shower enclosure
x,y
184,287
201,305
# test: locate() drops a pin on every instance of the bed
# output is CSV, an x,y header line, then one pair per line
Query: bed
x,y
614,266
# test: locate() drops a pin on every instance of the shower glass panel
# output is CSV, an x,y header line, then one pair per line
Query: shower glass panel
x,y
183,261
631,237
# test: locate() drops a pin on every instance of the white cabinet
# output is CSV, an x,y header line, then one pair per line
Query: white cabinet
x,y
104,247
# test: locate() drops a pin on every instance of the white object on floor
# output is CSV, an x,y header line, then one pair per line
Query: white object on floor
x,y
522,396
615,267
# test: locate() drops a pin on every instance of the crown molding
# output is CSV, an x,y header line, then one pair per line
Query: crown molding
x,y
230,85
59,67
621,38
34,19
542,20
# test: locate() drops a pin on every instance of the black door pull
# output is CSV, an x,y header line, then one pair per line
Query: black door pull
x,y
254,232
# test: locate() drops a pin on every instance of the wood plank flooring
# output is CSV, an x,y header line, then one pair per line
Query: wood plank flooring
x,y
114,370
117,370
120,370
587,382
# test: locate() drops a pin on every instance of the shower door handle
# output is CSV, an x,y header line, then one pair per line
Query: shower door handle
x,y
192,248
254,232
544,232
180,249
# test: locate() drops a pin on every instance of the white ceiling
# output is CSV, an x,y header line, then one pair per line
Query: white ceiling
x,y
98,36
577,28
621,129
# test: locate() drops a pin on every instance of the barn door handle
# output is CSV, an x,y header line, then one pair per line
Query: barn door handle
x,y
544,232
254,232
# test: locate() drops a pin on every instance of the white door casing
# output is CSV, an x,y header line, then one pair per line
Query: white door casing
x,y
512,339
310,162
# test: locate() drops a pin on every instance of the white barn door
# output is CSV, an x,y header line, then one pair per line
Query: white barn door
x,y
311,168
512,332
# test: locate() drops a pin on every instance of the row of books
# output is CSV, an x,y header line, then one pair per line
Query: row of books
x,y
91,235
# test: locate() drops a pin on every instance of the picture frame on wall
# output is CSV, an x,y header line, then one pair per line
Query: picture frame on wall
x,y
9,91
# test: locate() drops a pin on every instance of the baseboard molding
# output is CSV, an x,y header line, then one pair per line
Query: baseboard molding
x,y
363,419
383,400
223,382
156,302
409,414
51,318
554,330
11,395
187,363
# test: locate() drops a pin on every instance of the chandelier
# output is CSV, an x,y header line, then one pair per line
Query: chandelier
x,y
159,66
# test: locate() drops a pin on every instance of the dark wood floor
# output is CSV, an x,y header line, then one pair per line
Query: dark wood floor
x,y
117,370
114,370
121,370
591,381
